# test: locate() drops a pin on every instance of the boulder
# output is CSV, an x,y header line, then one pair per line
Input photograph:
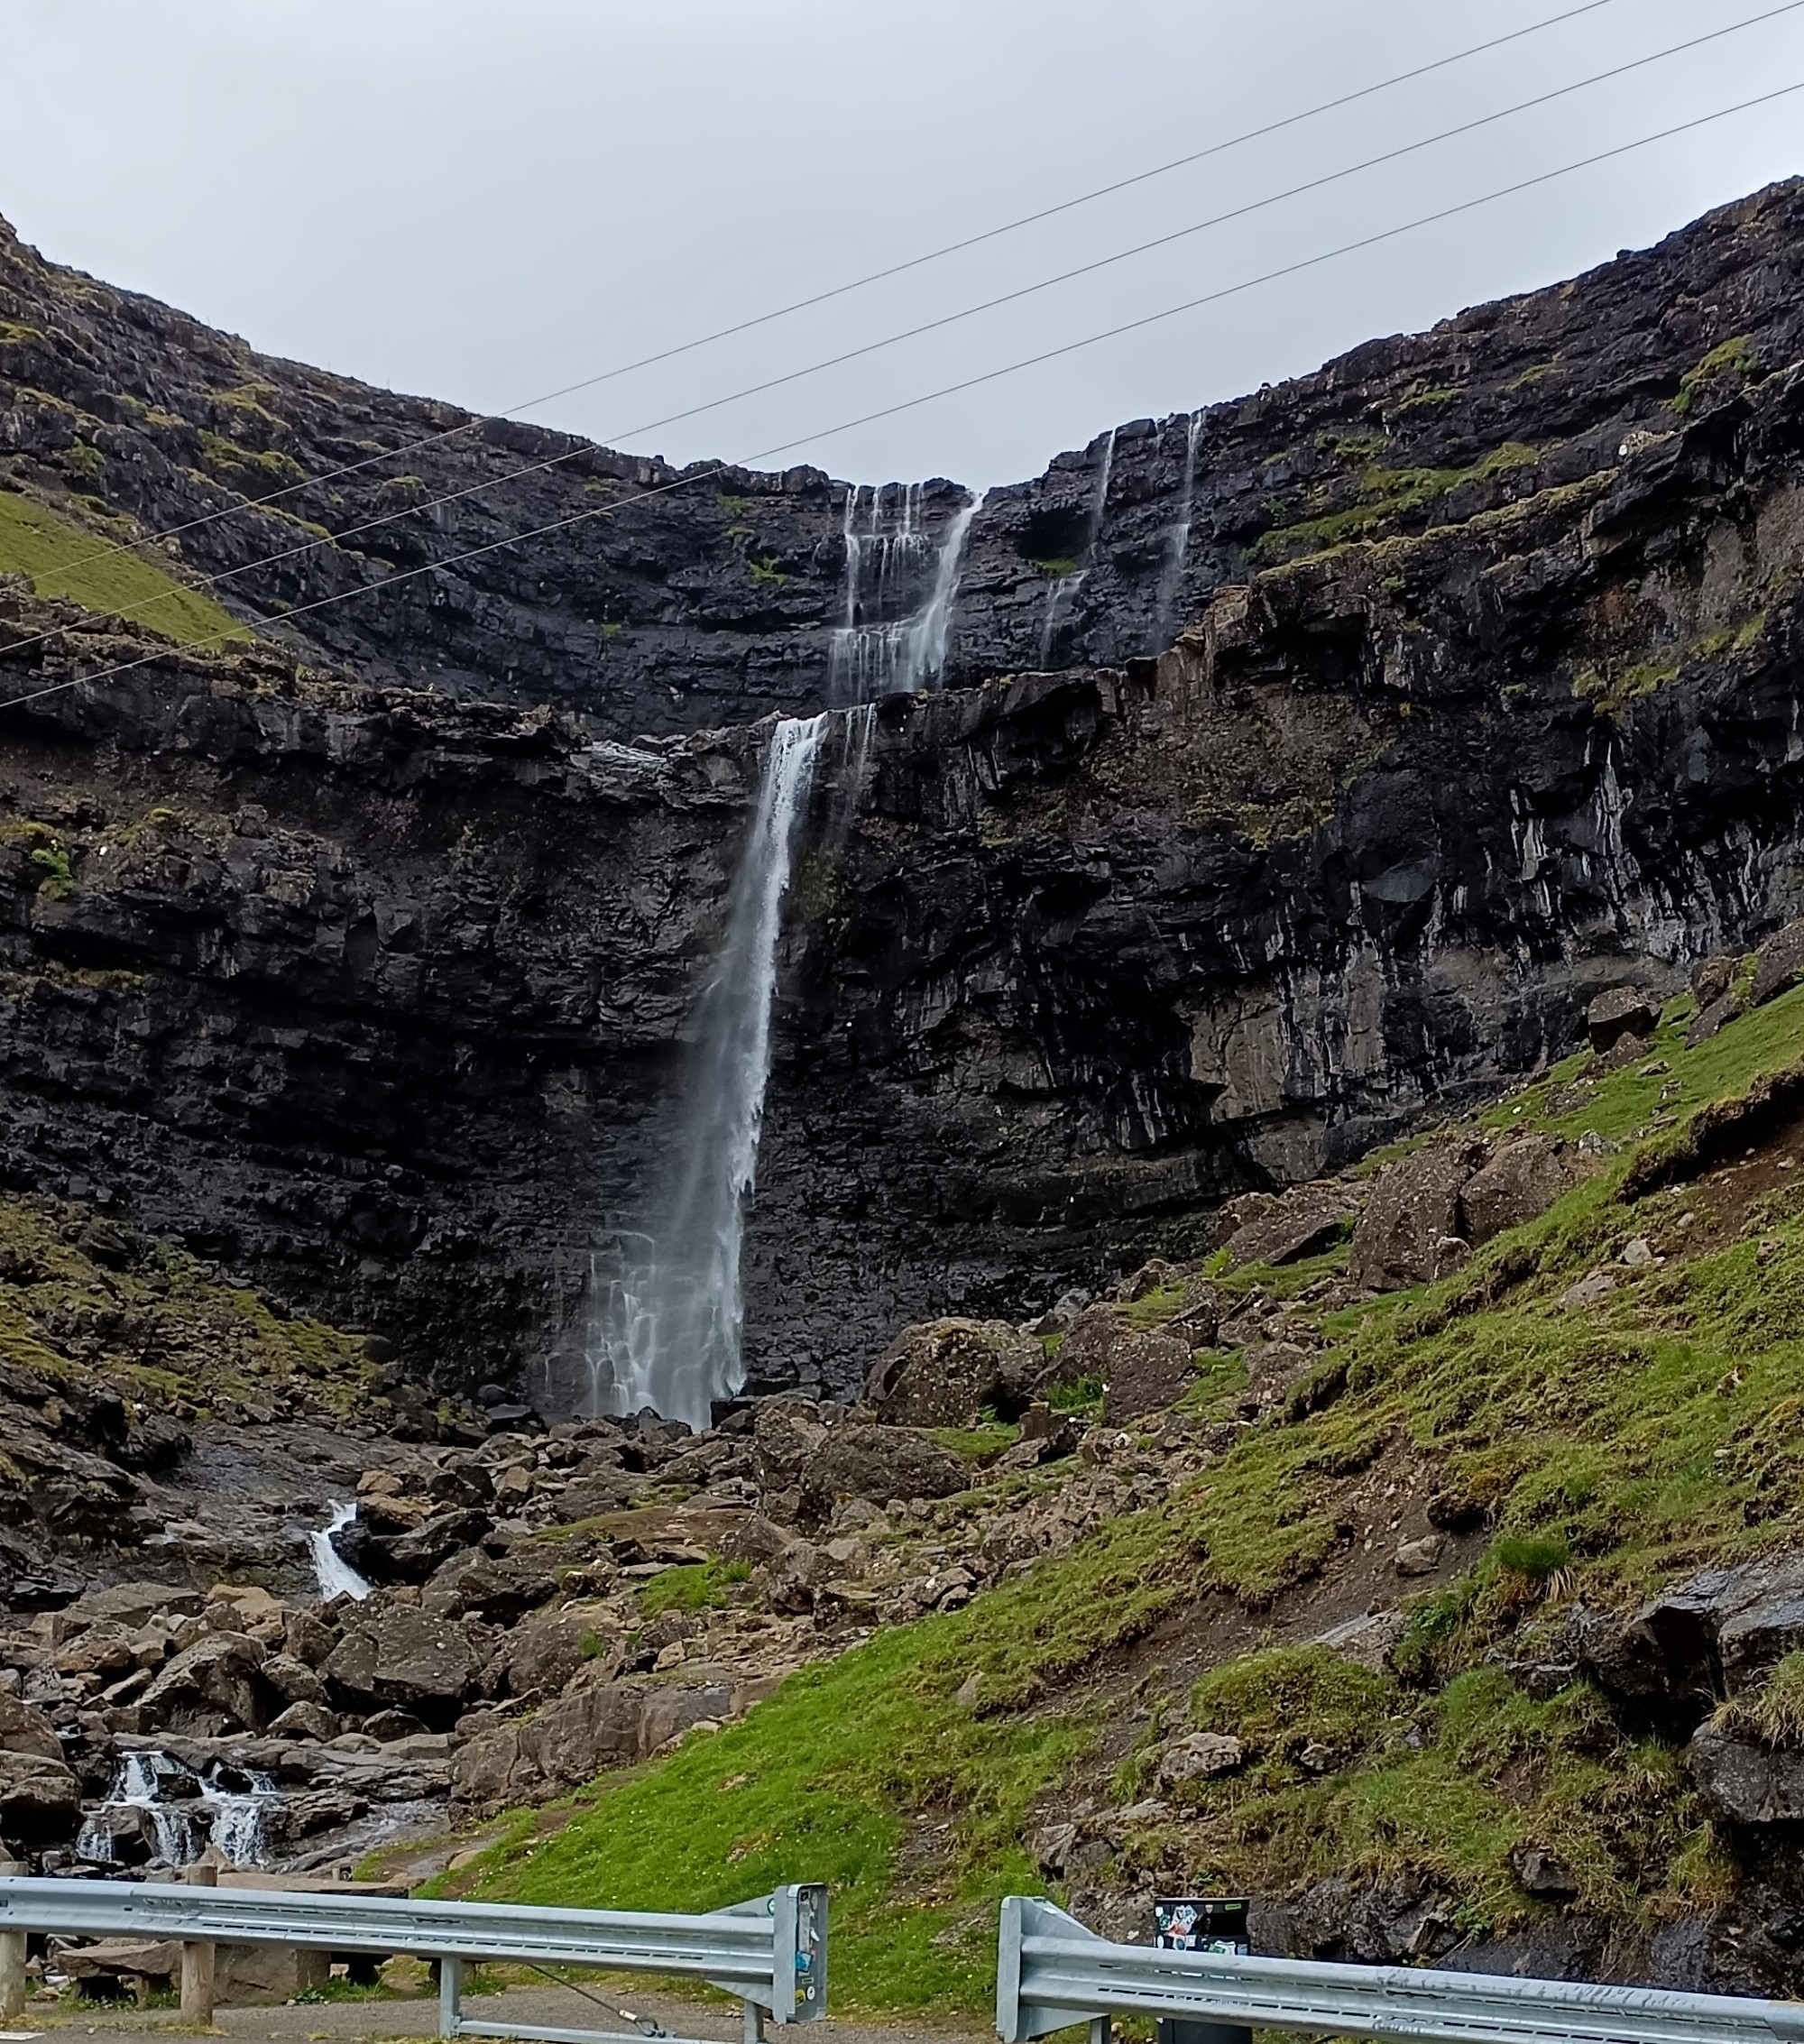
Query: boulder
x,y
401,1655
1518,1182
795,1574
879,1463
539,1657
1147,1374
1777,965
949,1372
1718,1633
1711,978
103,1649
1409,1232
1198,1756
577,1737
293,1680
307,1721
412,1557
1743,1779
1296,1223
1619,1012
212,1687
1420,1557
500,1591
40,1798
24,1729
130,1604
1367,1640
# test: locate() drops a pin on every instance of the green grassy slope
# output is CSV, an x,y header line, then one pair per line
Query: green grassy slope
x,y
1602,1446
59,557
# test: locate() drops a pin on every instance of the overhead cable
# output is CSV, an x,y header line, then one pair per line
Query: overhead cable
x,y
420,506
901,269
1065,348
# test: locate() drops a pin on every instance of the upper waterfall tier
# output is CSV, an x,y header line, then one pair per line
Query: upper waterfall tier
x,y
722,598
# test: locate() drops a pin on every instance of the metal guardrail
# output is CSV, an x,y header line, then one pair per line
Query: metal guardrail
x,y
1051,1972
771,1951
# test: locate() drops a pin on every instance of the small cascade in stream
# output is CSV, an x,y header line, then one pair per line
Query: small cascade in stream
x,y
1177,543
665,1332
895,633
227,1806
336,1575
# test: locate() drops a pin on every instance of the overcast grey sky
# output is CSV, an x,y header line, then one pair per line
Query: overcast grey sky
x,y
484,199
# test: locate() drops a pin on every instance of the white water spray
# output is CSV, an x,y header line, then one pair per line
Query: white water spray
x,y
666,1334
336,1575
239,1817
893,639
1177,542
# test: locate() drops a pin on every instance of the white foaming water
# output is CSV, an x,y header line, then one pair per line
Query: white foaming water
x,y
1177,541
241,1819
238,1818
1058,597
667,1333
893,639
337,1576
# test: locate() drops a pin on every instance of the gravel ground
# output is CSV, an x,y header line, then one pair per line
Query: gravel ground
x,y
556,2007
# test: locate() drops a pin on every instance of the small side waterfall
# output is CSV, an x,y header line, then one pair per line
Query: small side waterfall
x,y
894,636
667,1333
1177,543
336,1575
1062,593
231,1810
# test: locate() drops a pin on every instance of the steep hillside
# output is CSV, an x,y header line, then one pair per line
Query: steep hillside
x,y
713,600
1454,1621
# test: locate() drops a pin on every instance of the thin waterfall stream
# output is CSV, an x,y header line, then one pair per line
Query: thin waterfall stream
x,y
666,1334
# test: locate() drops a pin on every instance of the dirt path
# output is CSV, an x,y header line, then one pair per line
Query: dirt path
x,y
370,2021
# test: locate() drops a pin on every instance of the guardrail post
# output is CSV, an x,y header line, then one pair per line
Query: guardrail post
x,y
198,1957
752,2021
450,1981
12,1961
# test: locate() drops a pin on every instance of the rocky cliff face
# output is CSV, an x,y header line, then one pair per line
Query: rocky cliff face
x,y
662,600
380,995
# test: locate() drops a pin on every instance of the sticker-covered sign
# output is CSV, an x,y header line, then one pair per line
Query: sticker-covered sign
x,y
1200,1923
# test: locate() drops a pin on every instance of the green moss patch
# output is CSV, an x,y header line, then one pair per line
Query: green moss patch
x,y
63,559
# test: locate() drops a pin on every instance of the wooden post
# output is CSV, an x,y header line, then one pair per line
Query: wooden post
x,y
12,1961
197,1956
312,1968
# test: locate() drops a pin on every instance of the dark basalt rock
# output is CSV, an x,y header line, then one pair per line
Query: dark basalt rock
x,y
379,997
654,599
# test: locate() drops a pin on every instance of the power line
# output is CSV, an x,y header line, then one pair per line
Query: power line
x,y
968,382
414,509
861,283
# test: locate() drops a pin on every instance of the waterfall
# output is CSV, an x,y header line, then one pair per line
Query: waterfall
x,y
337,1576
1100,504
237,1817
1062,593
893,635
1058,597
666,1332
1177,542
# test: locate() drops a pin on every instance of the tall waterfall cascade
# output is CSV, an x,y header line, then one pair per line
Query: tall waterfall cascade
x,y
665,1332
666,1306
